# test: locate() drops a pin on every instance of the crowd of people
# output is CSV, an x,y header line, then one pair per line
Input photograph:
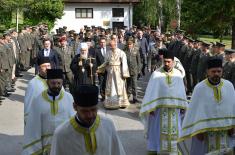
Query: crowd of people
x,y
77,68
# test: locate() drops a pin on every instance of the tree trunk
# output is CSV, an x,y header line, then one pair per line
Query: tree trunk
x,y
178,11
160,16
233,34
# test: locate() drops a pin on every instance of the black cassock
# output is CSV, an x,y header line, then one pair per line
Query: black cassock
x,y
82,71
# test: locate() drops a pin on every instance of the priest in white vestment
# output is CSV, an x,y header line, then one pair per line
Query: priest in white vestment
x,y
36,85
210,118
47,111
160,111
117,71
87,132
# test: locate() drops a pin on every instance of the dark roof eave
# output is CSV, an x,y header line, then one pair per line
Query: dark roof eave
x,y
101,1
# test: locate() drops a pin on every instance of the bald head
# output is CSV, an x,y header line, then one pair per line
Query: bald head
x,y
113,44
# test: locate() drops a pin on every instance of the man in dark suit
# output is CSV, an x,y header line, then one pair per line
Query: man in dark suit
x,y
143,50
101,52
47,51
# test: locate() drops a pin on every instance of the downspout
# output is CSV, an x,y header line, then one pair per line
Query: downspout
x,y
130,14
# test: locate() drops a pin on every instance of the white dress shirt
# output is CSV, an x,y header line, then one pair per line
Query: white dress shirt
x,y
46,52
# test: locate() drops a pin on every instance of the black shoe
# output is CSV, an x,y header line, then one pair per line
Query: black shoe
x,y
19,75
23,69
102,99
7,94
136,101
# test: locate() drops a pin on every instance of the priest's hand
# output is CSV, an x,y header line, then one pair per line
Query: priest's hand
x,y
200,136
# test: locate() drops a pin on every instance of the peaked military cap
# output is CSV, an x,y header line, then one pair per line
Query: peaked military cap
x,y
220,44
229,51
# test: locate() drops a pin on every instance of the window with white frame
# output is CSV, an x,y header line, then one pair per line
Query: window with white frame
x,y
84,12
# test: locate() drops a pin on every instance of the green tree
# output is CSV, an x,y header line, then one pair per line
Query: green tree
x,y
215,16
34,11
145,13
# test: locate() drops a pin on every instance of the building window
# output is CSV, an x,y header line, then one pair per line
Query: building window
x,y
118,12
84,13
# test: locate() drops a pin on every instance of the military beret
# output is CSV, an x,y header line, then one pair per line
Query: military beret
x,y
86,95
62,39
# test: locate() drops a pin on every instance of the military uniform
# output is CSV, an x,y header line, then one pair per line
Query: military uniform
x,y
23,47
134,66
202,66
194,65
5,67
2,70
154,60
229,68
186,64
29,44
229,72
65,56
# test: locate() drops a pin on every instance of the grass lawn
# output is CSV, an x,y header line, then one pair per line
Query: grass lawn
x,y
227,40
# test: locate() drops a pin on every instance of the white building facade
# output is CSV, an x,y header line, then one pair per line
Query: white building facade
x,y
104,13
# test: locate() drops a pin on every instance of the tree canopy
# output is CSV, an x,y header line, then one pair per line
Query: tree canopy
x,y
34,11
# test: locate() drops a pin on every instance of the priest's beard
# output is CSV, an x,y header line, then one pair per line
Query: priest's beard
x,y
86,121
54,91
167,68
215,80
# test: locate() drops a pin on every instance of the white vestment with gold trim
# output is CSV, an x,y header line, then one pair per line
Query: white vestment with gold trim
x,y
117,71
36,86
101,138
165,96
212,113
45,115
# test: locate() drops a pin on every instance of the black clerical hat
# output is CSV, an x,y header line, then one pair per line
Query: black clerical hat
x,y
86,95
43,60
168,54
162,51
54,74
214,62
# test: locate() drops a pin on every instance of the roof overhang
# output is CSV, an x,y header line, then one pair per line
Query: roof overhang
x,y
101,1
